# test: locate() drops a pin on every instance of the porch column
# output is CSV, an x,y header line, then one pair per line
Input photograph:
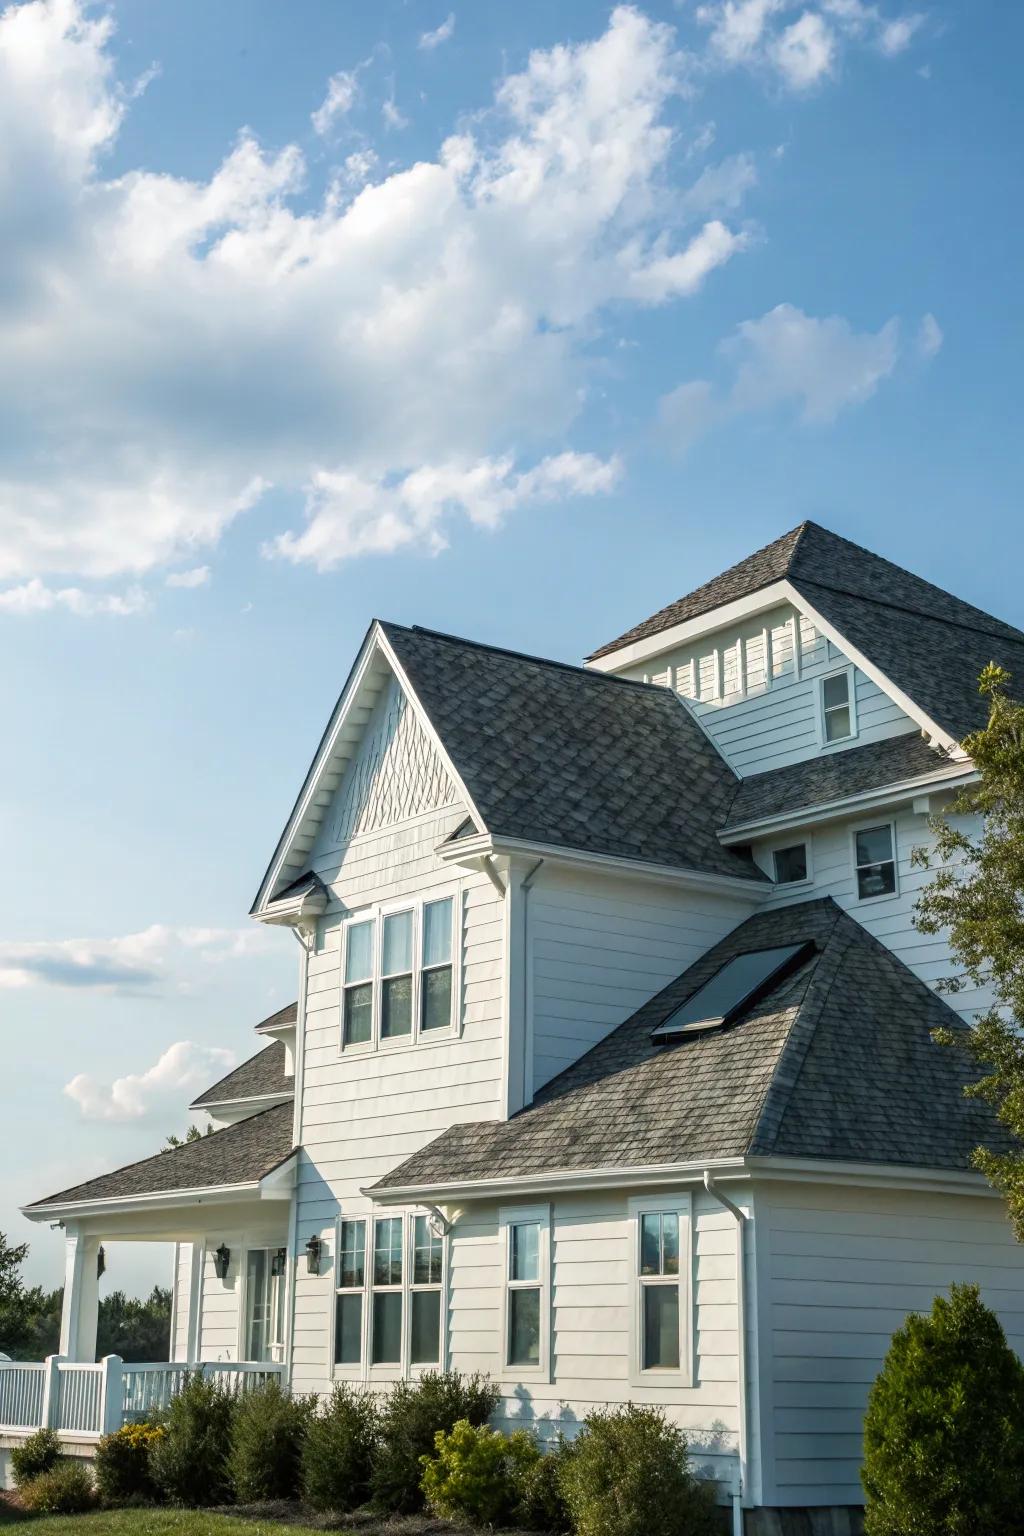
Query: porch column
x,y
81,1297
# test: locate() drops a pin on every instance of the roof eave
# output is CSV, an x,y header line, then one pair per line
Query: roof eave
x,y
887,796
722,617
264,1100
471,851
455,1191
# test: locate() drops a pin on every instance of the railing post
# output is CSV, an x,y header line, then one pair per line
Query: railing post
x,y
51,1391
112,1394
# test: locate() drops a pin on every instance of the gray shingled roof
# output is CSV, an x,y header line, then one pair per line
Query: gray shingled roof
x,y
557,754
834,776
257,1078
930,643
289,1014
239,1154
837,1062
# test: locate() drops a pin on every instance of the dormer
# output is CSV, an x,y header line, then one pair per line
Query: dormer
x,y
263,1081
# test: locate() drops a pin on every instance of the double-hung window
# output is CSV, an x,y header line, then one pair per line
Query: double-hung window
x,y
874,860
838,707
389,1294
527,1289
351,1282
661,1333
398,974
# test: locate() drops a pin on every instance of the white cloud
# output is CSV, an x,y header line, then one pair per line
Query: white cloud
x,y
441,34
929,337
820,367
184,1069
349,515
799,43
720,188
35,597
342,90
170,348
199,576
393,117
128,963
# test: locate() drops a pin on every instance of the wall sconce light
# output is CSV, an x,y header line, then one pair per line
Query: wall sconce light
x,y
279,1261
101,1261
314,1248
221,1260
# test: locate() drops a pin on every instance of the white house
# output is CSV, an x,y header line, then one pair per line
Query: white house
x,y
611,1070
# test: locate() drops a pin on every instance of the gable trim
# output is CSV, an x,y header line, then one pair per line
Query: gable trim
x,y
375,642
703,624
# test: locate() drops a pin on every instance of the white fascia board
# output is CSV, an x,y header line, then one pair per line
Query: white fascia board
x,y
469,850
172,1199
889,796
875,673
570,1179
723,617
947,1181
265,1100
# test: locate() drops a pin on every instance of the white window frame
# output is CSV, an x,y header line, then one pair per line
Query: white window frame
x,y
680,1204
262,1245
792,842
851,685
376,914
509,1217
871,826
364,1370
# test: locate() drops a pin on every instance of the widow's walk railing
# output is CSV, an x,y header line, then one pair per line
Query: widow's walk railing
x,y
97,1399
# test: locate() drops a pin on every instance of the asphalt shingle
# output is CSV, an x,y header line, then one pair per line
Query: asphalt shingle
x,y
260,1076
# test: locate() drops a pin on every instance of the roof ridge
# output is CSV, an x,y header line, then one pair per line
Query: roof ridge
x,y
918,613
505,650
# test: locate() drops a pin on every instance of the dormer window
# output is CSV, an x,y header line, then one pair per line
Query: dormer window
x,y
838,708
789,864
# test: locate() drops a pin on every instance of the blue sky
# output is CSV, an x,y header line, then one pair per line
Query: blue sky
x,y
514,321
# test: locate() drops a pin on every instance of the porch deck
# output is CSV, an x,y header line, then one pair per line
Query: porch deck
x,y
92,1400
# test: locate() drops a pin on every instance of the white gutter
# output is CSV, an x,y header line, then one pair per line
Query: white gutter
x,y
851,805
740,1219
541,1183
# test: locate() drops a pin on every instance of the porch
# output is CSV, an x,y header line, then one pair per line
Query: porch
x,y
85,1401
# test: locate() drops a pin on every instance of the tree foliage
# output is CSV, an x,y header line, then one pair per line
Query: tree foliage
x,y
944,1429
136,1330
12,1293
977,892
192,1134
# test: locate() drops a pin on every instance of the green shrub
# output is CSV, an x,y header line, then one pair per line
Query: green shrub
x,y
66,1489
411,1417
267,1435
540,1499
628,1475
40,1453
337,1453
474,1472
189,1462
122,1464
944,1429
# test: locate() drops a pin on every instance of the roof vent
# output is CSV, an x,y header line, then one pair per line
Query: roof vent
x,y
734,986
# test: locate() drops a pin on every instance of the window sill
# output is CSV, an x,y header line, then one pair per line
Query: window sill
x,y
397,1047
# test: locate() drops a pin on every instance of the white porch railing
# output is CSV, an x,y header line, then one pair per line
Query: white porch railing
x,y
95,1399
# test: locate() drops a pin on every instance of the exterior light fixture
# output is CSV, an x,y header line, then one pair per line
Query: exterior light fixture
x,y
314,1248
101,1261
221,1260
277,1263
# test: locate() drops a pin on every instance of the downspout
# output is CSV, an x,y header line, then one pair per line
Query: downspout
x,y
525,886
740,1218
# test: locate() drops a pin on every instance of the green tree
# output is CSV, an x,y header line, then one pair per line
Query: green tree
x,y
978,894
12,1293
192,1134
944,1428
134,1329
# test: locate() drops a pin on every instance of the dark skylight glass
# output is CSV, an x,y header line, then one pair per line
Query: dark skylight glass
x,y
734,987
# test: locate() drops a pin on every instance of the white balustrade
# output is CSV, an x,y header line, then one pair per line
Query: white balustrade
x,y
21,1395
80,1398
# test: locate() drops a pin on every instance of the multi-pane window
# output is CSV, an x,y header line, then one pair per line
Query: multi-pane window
x,y
659,1290
436,973
875,861
836,707
264,1303
357,1003
524,1293
386,1322
398,974
790,864
348,1322
425,1294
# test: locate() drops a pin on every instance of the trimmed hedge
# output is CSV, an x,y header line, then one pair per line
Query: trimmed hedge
x,y
337,1454
410,1419
122,1464
267,1436
40,1453
66,1489
190,1462
629,1475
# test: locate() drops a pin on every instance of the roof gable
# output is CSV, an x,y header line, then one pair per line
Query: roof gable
x,y
262,1076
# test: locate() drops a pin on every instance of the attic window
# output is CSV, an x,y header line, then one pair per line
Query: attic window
x,y
739,983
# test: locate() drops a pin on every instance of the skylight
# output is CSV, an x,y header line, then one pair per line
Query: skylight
x,y
739,982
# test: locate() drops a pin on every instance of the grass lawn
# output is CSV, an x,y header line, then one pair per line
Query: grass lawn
x,y
202,1522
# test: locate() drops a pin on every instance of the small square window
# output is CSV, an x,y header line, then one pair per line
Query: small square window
x,y
836,707
790,864
875,862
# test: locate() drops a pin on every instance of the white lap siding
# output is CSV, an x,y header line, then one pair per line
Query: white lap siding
x,y
757,722
362,1113
889,918
838,1270
590,1323
600,947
